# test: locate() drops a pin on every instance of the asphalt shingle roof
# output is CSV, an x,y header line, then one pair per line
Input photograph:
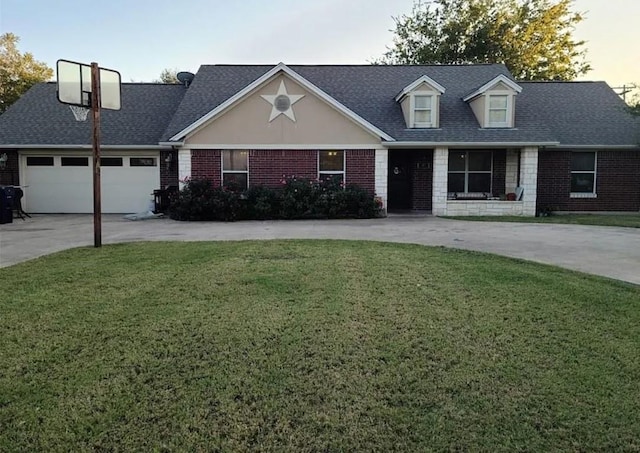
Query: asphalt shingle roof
x,y
572,113
581,113
38,118
370,92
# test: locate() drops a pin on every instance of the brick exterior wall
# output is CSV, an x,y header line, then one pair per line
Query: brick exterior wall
x,y
10,174
361,168
168,171
499,172
422,180
266,167
206,164
617,182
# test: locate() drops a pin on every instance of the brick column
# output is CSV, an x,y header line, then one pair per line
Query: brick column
x,y
381,174
440,169
184,165
529,179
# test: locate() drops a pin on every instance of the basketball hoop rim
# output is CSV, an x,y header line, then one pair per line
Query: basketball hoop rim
x,y
80,113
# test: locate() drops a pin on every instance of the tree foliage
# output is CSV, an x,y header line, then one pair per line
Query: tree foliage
x,y
168,76
533,38
18,71
634,103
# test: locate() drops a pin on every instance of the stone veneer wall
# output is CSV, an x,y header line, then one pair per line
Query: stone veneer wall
x,y
484,207
440,168
381,169
528,181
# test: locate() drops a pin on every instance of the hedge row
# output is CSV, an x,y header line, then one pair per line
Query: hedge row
x,y
297,199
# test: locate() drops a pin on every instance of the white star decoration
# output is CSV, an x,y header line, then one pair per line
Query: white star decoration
x,y
282,102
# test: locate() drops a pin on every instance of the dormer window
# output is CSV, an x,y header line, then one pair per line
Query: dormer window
x,y
493,103
422,110
498,110
420,101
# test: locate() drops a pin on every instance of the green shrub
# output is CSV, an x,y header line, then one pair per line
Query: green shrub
x,y
199,200
262,203
298,198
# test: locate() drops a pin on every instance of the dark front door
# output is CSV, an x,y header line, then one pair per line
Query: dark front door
x,y
400,180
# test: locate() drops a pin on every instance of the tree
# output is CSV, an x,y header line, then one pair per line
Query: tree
x,y
168,76
634,103
18,71
533,38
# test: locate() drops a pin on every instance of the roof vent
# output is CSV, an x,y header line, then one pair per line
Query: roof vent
x,y
185,78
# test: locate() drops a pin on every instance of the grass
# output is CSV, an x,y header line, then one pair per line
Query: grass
x,y
314,346
620,220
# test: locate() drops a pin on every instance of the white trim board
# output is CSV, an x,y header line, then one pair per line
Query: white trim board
x,y
500,78
598,147
281,67
305,147
466,144
132,147
412,86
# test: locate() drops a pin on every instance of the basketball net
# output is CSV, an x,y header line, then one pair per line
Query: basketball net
x,y
79,113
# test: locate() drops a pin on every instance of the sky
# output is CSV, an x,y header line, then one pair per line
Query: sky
x,y
140,38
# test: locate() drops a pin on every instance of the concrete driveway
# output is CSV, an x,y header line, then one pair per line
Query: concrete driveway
x,y
608,251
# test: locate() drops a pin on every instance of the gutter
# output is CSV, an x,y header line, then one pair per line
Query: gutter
x,y
600,147
465,144
172,144
131,147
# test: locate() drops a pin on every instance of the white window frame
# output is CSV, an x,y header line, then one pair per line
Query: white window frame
x,y
466,171
593,194
223,171
509,109
334,172
412,109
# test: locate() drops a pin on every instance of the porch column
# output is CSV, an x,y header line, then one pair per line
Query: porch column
x,y
529,179
511,174
184,165
381,175
440,169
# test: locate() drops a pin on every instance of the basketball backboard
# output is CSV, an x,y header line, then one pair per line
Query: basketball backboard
x,y
74,85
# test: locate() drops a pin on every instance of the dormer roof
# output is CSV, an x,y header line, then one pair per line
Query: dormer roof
x,y
416,83
501,78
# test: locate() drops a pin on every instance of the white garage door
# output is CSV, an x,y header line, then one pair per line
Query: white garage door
x,y
63,184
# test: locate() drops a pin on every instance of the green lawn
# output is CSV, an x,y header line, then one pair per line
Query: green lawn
x,y
622,220
314,346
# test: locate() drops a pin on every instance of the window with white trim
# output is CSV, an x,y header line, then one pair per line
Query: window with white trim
x,y
331,165
583,173
235,168
423,112
469,171
498,110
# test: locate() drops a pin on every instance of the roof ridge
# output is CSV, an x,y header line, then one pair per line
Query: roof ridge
x,y
364,65
53,82
560,81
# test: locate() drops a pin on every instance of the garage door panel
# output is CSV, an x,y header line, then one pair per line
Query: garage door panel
x,y
69,189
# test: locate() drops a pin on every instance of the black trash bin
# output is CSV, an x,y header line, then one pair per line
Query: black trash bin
x,y
6,204
162,198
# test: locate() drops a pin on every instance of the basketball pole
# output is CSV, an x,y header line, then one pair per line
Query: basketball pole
x,y
95,113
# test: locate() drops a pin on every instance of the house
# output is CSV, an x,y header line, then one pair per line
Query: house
x,y
451,139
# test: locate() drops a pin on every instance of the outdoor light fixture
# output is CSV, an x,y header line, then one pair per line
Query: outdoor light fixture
x,y
168,159
3,161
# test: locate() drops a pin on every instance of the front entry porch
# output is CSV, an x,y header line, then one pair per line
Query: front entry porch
x,y
485,182
410,180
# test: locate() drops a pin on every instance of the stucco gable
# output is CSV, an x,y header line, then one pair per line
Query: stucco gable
x,y
251,120
280,69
